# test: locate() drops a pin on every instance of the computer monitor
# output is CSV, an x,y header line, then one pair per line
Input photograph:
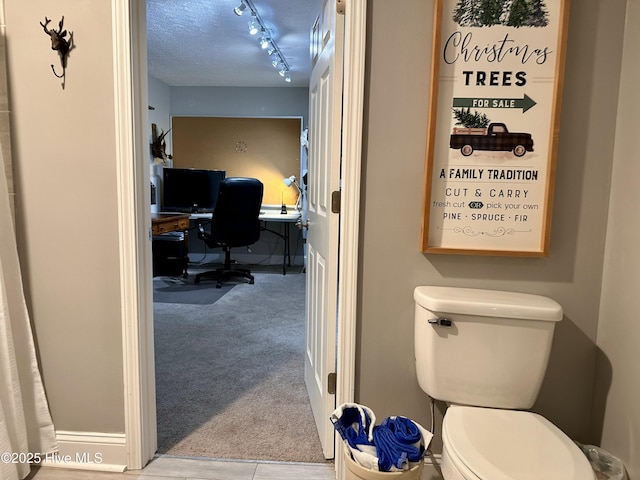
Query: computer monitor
x,y
190,190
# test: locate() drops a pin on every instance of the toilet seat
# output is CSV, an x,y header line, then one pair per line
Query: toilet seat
x,y
492,444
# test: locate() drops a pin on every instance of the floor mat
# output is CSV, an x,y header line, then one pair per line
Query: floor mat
x,y
184,291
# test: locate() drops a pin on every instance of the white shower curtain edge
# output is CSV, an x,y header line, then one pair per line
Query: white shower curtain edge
x,y
26,426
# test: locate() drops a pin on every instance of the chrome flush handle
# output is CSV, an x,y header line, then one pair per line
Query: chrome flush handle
x,y
443,322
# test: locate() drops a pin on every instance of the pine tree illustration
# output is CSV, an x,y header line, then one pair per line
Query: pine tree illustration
x,y
470,120
506,11
468,13
512,13
519,13
539,16
460,11
491,10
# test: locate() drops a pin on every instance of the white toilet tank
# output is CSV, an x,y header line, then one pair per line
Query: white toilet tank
x,y
483,347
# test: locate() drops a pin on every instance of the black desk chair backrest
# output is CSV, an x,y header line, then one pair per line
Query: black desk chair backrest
x,y
235,223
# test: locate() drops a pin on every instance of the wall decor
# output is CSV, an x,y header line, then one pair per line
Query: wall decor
x,y
60,44
159,145
496,87
241,147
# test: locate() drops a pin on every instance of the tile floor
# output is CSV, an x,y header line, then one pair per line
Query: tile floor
x,y
178,468
166,467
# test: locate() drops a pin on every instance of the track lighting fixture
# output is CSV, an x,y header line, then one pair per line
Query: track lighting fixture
x,y
240,8
266,42
253,25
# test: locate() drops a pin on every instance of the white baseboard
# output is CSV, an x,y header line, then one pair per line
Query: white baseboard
x,y
106,452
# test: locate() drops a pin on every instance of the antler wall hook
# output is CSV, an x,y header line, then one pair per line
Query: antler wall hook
x,y
59,43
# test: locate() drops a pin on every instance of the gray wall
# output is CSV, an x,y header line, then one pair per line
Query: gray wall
x,y
223,101
160,99
397,82
66,200
159,112
616,416
240,102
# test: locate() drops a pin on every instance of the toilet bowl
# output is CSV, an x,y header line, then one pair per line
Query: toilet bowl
x,y
485,353
493,444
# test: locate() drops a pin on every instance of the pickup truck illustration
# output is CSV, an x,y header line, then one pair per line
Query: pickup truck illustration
x,y
496,137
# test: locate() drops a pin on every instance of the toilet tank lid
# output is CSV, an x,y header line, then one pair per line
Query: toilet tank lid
x,y
487,303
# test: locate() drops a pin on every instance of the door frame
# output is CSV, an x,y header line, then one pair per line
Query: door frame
x,y
350,174
130,94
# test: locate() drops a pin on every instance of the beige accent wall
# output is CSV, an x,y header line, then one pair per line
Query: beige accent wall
x,y
397,84
616,413
265,148
64,150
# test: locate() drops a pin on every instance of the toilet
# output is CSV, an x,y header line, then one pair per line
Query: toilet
x,y
485,353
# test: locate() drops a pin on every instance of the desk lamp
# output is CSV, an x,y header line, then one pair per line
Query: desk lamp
x,y
292,181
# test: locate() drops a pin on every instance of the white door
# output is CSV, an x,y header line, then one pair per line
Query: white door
x,y
325,118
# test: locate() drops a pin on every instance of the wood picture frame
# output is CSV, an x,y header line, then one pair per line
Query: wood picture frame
x,y
497,69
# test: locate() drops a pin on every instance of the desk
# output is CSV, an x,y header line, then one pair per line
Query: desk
x,y
169,259
169,222
272,213
173,222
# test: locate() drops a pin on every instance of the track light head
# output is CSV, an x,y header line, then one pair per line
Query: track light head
x,y
254,27
264,40
240,9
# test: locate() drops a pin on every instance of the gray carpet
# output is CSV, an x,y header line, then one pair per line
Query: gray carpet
x,y
230,375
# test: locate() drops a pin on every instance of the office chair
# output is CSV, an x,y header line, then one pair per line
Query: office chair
x,y
234,223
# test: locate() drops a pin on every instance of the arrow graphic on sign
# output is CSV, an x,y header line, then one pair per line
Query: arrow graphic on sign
x,y
525,103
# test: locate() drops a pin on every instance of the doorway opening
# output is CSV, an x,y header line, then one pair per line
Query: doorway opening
x,y
135,262
229,371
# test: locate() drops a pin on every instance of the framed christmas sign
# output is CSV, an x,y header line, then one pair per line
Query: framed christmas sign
x,y
496,87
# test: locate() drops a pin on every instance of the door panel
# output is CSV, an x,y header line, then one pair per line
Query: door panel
x,y
325,118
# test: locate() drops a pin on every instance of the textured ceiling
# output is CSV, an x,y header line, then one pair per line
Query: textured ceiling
x,y
203,43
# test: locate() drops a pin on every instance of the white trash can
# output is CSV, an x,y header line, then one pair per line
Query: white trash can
x,y
357,472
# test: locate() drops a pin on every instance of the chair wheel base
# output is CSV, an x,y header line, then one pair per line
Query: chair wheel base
x,y
221,275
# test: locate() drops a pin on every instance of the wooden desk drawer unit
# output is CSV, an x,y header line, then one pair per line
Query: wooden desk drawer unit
x,y
169,223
